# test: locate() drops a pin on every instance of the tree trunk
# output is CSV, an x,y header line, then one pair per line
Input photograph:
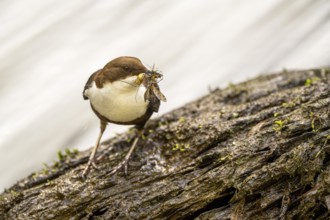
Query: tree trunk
x,y
255,150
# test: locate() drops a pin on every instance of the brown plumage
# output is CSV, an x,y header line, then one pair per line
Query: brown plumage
x,y
116,96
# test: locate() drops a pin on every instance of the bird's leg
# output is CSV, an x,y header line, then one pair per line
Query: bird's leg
x,y
124,163
91,161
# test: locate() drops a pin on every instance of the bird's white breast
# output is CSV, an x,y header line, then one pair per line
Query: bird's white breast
x,y
120,101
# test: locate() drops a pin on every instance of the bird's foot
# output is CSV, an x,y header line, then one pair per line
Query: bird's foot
x,y
123,163
95,166
88,168
85,172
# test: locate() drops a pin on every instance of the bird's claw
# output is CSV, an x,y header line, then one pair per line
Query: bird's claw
x,y
85,172
88,168
124,164
95,166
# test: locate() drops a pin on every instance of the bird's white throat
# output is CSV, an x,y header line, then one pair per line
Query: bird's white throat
x,y
119,101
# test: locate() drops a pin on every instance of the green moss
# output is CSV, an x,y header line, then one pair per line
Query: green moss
x,y
276,114
311,81
288,104
327,138
60,155
14,193
231,85
226,157
314,121
2,197
182,119
291,103
56,164
70,153
176,147
50,183
45,170
162,123
279,125
180,147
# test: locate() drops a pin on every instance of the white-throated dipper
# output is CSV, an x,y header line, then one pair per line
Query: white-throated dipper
x,y
123,92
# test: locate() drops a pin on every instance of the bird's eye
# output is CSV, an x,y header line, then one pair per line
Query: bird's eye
x,y
126,68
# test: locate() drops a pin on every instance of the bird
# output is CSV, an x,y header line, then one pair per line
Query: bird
x,y
119,93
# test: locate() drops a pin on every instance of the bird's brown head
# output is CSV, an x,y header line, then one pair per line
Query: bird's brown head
x,y
119,69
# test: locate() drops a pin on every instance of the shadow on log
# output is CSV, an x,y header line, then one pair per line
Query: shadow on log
x,y
256,150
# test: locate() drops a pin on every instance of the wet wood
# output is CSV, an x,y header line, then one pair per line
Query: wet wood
x,y
255,150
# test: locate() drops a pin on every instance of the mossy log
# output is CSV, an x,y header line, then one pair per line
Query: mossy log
x,y
255,150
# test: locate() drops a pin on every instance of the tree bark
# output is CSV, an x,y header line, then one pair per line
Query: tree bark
x,y
255,150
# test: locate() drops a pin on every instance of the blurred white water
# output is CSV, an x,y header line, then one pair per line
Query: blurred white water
x,y
48,49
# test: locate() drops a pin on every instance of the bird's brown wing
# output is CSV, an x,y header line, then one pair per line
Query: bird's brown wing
x,y
89,83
